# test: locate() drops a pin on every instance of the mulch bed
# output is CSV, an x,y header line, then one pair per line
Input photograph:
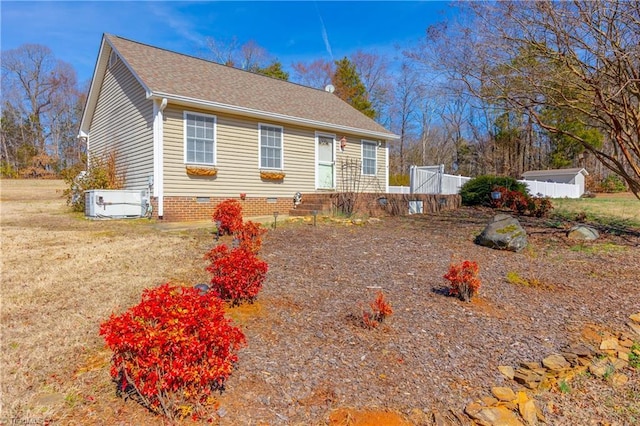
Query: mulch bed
x,y
308,353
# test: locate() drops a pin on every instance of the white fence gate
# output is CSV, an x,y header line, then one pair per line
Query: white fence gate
x,y
433,180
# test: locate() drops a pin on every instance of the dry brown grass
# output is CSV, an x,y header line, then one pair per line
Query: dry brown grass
x,y
607,207
62,275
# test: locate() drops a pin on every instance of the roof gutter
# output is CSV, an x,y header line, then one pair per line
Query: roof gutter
x,y
183,100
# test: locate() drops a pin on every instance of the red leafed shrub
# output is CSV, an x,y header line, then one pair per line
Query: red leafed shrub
x,y
521,204
229,214
172,350
463,279
513,200
250,236
380,309
237,274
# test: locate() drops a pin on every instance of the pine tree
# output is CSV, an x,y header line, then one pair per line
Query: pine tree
x,y
274,70
349,87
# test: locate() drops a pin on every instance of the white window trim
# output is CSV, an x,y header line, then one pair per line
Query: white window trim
x,y
364,142
184,137
260,126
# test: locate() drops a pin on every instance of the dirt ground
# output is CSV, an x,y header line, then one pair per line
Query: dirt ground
x,y
308,358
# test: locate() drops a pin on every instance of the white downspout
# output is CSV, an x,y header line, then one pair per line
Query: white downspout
x,y
386,170
158,153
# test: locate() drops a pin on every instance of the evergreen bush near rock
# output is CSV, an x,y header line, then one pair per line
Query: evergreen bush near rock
x,y
477,191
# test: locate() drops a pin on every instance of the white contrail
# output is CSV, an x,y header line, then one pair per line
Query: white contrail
x,y
325,36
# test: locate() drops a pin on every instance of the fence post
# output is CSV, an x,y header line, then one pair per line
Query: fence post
x,y
412,182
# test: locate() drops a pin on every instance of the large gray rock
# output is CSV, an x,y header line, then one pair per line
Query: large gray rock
x,y
583,232
503,233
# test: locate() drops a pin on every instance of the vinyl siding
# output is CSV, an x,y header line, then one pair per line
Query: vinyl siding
x,y
123,120
353,151
237,155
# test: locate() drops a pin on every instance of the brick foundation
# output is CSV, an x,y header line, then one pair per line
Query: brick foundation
x,y
180,209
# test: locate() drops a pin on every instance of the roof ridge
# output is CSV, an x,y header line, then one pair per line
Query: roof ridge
x,y
109,35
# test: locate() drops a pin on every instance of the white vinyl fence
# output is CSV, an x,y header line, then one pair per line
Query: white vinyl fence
x,y
433,180
399,190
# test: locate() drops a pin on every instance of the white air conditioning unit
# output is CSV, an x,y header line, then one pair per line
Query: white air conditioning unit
x,y
115,203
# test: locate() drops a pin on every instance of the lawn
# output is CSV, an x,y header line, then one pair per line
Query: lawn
x,y
622,209
307,355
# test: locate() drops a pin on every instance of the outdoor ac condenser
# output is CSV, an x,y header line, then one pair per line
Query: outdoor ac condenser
x,y
115,203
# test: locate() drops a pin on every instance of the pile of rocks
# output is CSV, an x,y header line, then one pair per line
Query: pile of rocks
x,y
505,407
607,359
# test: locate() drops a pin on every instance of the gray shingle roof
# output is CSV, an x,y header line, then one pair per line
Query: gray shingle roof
x,y
573,171
176,75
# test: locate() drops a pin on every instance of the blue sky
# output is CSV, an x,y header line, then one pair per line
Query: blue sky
x,y
291,31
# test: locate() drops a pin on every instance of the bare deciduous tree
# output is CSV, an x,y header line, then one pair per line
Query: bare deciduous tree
x,y
569,67
315,74
373,70
40,107
249,56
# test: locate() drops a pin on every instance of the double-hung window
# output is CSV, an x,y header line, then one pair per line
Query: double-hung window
x,y
200,138
369,165
271,147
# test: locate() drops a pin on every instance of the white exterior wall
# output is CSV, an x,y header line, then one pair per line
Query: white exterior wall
x,y
123,121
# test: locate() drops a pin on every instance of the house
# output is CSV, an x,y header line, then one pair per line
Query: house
x,y
194,133
575,176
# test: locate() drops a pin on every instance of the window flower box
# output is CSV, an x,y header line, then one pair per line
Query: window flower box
x,y
201,171
271,175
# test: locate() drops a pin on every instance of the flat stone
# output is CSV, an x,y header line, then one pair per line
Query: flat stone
x,y
473,408
625,343
489,401
619,379
497,416
507,371
609,344
585,362
522,397
528,412
503,393
568,355
623,356
531,365
583,232
600,367
635,327
556,362
581,350
509,405
619,364
571,357
635,317
437,419
528,378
